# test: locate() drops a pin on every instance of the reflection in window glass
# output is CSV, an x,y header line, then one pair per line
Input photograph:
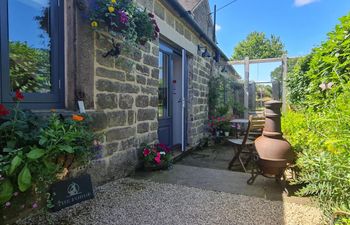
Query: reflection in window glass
x,y
29,45
163,85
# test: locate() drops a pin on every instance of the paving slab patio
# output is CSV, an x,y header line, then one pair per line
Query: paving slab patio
x,y
207,169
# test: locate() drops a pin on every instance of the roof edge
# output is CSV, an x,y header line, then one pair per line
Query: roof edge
x,y
186,16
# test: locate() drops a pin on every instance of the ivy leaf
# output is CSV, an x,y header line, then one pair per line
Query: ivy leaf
x,y
36,153
6,190
15,163
24,179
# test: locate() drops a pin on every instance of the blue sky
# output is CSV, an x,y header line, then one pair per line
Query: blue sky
x,y
301,24
21,26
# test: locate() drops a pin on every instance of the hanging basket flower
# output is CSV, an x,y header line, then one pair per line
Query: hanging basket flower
x,y
124,18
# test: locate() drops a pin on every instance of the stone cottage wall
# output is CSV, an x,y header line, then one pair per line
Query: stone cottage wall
x,y
126,97
126,100
199,77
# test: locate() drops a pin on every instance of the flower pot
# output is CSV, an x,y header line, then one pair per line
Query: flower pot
x,y
154,167
227,134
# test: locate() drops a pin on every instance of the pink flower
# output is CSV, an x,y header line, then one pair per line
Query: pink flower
x,y
35,205
7,204
157,158
146,152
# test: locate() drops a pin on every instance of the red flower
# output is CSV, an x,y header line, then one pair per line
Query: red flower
x,y
146,152
3,110
19,95
157,158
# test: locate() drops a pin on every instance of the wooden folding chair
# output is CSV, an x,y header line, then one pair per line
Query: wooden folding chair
x,y
256,127
243,145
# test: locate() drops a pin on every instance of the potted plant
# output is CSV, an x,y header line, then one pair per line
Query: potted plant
x,y
156,157
227,128
224,126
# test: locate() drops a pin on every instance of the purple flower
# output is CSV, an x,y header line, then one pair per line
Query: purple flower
x,y
35,205
123,18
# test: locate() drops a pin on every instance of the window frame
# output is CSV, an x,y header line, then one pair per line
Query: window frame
x,y
54,99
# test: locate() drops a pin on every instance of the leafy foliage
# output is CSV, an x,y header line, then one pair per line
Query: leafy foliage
x,y
123,17
258,46
157,156
220,98
277,73
298,82
319,130
322,140
29,68
34,151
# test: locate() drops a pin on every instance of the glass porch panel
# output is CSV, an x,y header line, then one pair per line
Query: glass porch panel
x,y
30,45
163,92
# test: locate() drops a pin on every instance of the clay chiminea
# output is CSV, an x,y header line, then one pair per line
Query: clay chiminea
x,y
274,151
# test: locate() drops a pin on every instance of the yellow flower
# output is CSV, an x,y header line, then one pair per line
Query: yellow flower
x,y
332,146
111,9
94,24
114,1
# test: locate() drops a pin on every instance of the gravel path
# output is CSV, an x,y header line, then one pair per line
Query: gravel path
x,y
129,201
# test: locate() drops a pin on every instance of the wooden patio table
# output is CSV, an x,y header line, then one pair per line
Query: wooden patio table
x,y
238,121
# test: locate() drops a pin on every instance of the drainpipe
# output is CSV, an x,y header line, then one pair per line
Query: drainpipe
x,y
214,31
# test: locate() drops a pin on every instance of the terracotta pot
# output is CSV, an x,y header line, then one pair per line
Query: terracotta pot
x,y
274,151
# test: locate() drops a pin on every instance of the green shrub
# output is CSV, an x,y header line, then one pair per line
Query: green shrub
x,y
36,152
328,63
298,82
322,141
319,131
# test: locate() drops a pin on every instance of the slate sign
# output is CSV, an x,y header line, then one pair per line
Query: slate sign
x,y
70,192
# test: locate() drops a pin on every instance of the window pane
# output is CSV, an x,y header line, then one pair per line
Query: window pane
x,y
30,45
163,85
160,101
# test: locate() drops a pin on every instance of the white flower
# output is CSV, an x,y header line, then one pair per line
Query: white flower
x,y
162,153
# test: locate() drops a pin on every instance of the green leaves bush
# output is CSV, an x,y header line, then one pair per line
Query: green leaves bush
x,y
34,151
319,126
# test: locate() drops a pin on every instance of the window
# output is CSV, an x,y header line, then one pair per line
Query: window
x,y
163,91
32,52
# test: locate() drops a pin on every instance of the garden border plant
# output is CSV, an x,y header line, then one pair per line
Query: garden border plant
x,y
36,152
318,125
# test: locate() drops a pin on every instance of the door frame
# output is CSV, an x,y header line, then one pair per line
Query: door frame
x,y
167,48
